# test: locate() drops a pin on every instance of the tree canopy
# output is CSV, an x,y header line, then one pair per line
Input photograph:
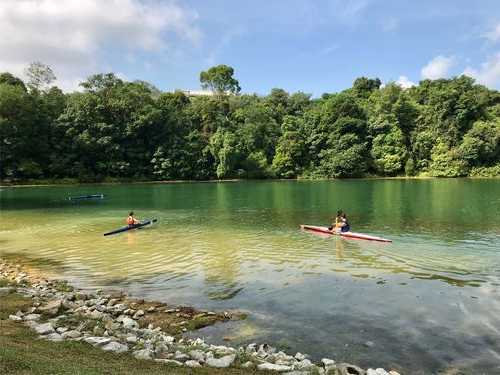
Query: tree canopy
x,y
132,130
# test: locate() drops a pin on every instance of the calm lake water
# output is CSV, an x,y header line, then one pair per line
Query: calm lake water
x,y
426,303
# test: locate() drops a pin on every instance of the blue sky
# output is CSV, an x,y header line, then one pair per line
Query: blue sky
x,y
311,46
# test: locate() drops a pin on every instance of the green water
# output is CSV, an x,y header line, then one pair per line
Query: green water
x,y
429,301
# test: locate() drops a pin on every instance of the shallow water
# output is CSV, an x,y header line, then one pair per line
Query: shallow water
x,y
425,303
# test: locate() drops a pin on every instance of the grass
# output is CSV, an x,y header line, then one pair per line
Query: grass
x,y
21,352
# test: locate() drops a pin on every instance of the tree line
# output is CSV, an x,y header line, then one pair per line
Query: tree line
x,y
115,129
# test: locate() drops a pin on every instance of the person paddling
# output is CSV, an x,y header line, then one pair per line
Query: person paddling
x,y
344,223
337,221
131,220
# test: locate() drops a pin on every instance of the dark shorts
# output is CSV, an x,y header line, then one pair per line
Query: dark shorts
x,y
345,228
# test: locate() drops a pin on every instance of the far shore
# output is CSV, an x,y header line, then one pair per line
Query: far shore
x,y
71,182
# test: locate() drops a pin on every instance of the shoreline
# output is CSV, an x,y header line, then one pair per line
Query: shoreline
x,y
62,182
148,330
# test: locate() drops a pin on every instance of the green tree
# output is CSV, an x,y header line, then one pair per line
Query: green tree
x,y
220,80
40,76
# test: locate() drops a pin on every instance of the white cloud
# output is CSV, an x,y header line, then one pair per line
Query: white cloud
x,y
438,67
389,24
72,36
494,34
404,82
488,74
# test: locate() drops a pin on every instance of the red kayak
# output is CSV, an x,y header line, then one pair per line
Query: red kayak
x,y
359,236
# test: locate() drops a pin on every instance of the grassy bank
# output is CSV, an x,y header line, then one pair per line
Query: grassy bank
x,y
21,352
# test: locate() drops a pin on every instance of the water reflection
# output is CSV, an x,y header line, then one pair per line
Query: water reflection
x,y
427,300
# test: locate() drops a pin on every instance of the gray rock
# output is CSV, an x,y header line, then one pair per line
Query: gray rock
x,y
129,323
61,329
305,364
73,334
297,373
379,371
197,355
327,362
6,290
300,357
115,347
347,369
51,308
131,339
369,344
97,341
96,314
169,362
143,354
247,364
192,364
15,318
273,367
222,362
43,329
180,356
32,317
53,337
138,314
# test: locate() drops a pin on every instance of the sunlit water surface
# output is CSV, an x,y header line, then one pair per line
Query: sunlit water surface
x,y
426,303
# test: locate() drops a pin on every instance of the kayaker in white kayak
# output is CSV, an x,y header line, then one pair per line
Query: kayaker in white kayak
x,y
131,220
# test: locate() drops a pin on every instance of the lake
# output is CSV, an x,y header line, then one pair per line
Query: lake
x,y
425,303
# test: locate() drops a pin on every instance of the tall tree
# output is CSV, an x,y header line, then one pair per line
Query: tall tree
x,y
220,80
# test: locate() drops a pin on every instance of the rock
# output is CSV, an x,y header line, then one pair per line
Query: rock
x,y
300,357
297,373
51,308
131,339
192,364
6,290
143,354
197,355
392,372
15,318
169,362
347,369
151,309
169,339
369,344
247,364
73,334
97,341
222,362
379,371
53,337
129,323
328,362
32,317
138,314
96,314
112,302
44,329
180,356
273,367
61,329
98,331
305,364
115,347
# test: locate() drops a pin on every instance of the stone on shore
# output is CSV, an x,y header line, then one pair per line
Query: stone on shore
x,y
169,362
32,317
97,341
53,337
15,318
143,354
43,329
273,367
222,362
197,355
51,308
115,347
73,334
192,364
129,323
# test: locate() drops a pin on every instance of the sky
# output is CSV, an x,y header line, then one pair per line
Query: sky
x,y
314,46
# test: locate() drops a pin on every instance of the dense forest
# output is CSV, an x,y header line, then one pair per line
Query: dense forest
x,y
114,129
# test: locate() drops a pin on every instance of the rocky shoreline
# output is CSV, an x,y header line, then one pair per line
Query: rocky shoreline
x,y
116,323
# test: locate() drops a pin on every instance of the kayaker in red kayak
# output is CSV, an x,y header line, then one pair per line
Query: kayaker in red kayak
x,y
336,222
131,220
344,223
